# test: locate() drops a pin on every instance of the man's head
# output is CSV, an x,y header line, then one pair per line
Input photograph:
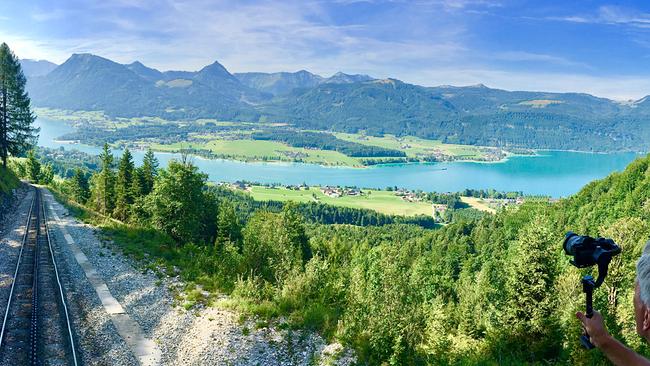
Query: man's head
x,y
642,293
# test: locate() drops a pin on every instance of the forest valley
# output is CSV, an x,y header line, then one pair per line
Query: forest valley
x,y
493,289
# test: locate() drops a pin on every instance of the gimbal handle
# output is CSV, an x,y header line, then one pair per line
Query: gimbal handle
x,y
588,285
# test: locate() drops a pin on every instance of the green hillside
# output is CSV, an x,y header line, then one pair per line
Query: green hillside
x,y
89,82
471,115
279,83
495,291
491,290
8,181
474,115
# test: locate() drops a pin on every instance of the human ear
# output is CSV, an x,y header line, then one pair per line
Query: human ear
x,y
646,319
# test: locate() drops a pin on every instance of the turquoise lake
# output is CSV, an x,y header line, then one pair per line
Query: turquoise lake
x,y
553,173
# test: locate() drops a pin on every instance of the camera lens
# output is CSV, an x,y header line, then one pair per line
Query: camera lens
x,y
570,241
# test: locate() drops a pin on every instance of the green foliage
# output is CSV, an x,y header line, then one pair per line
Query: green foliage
x,y
531,271
179,205
103,184
8,180
19,167
47,174
124,186
33,167
493,290
275,245
79,187
326,141
17,135
228,226
148,172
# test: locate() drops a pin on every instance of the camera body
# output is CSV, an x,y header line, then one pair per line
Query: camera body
x,y
588,251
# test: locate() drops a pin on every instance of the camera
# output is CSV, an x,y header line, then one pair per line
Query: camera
x,y
586,252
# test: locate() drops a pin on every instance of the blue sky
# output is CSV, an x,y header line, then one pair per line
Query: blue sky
x,y
597,47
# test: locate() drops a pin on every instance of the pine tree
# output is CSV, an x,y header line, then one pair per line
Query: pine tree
x,y
138,183
178,203
531,273
33,167
79,187
228,227
149,171
47,174
124,186
103,183
17,134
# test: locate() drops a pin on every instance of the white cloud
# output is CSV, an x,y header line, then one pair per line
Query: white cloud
x,y
624,87
537,57
289,36
44,16
611,15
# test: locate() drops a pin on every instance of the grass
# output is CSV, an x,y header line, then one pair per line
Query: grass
x,y
233,144
8,180
257,150
477,203
385,202
417,147
161,252
198,267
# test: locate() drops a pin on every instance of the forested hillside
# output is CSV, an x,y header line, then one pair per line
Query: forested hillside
x,y
89,82
493,290
471,115
474,115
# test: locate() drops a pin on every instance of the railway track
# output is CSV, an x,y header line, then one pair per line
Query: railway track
x,y
36,328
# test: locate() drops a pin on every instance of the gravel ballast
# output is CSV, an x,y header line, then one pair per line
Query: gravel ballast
x,y
97,340
12,229
202,336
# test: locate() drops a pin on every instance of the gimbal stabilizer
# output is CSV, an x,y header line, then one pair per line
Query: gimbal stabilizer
x,y
586,252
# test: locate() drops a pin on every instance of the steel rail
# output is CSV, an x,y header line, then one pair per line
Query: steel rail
x,y
58,281
20,255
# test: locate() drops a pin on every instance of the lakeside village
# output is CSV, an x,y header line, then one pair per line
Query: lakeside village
x,y
488,201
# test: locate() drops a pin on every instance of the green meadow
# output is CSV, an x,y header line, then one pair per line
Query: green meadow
x,y
385,202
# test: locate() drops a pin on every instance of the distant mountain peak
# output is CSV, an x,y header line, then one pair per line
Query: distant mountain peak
x,y
390,81
85,56
343,78
215,67
34,68
643,100
146,72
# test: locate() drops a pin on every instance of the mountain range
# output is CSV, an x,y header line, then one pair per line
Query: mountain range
x,y
351,103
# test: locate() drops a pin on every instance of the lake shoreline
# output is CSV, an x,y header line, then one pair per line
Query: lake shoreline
x,y
551,173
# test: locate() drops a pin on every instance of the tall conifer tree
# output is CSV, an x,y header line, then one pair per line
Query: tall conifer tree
x,y
123,187
17,135
79,186
149,171
103,194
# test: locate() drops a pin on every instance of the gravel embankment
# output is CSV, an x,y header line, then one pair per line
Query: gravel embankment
x,y
208,336
98,342
12,228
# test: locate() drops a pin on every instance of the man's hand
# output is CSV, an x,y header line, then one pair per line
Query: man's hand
x,y
613,349
595,327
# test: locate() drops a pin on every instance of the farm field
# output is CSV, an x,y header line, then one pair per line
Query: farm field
x,y
417,147
477,203
233,141
256,150
385,202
